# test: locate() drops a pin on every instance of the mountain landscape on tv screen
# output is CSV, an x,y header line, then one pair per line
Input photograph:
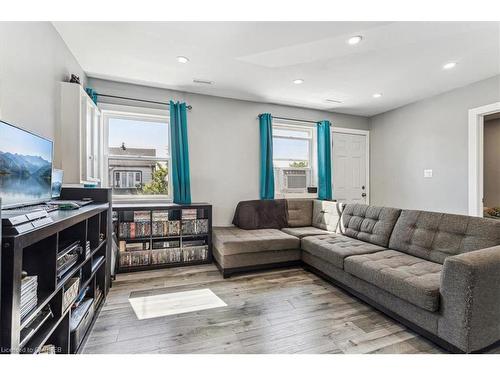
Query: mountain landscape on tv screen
x,y
24,166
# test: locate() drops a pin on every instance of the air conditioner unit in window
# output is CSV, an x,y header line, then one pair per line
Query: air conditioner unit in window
x,y
293,180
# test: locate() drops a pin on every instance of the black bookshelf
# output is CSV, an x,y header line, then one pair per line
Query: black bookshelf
x,y
152,236
35,252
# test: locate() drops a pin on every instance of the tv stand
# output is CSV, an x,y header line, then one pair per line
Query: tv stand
x,y
36,253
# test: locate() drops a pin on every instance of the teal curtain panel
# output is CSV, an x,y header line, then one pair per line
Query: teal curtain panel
x,y
180,154
266,156
324,161
92,94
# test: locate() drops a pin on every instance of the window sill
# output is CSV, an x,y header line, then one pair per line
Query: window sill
x,y
295,195
141,200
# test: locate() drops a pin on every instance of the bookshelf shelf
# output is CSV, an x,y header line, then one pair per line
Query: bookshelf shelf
x,y
38,254
176,235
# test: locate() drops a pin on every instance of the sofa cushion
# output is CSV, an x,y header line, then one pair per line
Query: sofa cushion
x,y
369,223
325,215
410,278
305,231
233,240
334,248
300,212
435,236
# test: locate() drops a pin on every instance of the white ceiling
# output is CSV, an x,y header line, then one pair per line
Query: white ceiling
x,y
259,60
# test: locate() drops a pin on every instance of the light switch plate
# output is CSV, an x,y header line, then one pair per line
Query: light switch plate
x,y
427,173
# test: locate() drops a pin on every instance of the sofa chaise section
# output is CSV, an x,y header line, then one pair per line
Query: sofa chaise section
x,y
236,250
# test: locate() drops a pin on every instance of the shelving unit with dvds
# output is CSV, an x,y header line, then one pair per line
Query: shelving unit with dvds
x,y
162,235
50,272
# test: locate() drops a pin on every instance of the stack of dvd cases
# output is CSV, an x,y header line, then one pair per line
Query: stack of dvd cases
x,y
195,226
134,230
189,214
194,251
134,258
29,296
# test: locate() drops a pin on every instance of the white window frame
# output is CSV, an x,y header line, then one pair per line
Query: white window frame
x,y
285,127
142,114
312,162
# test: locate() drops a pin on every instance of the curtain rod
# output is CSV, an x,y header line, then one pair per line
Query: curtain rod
x,y
138,100
293,119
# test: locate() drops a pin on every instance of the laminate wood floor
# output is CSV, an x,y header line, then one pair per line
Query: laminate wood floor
x,y
280,311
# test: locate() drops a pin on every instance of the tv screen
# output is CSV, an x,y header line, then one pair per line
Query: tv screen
x,y
25,167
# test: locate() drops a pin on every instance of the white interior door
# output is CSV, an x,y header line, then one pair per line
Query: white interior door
x,y
349,167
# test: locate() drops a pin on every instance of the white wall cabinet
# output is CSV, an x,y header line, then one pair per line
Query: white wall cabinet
x,y
81,136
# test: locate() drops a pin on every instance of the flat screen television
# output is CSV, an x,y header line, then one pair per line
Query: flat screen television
x,y
25,167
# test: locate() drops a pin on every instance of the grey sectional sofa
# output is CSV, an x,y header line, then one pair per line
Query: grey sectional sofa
x,y
437,273
238,250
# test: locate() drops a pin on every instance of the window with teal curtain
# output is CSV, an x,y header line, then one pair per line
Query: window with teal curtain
x,y
180,155
266,156
324,161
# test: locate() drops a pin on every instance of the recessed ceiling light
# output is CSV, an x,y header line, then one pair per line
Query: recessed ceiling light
x,y
449,65
298,81
182,59
203,81
354,40
334,101
377,95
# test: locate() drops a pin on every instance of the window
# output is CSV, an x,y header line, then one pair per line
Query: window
x,y
293,158
138,154
127,179
292,146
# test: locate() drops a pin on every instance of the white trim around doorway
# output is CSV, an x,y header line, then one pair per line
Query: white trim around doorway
x,y
366,133
476,156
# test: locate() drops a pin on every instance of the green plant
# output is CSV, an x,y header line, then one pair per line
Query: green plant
x,y
299,164
159,182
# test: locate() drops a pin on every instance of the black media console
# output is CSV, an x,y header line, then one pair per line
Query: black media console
x,y
51,273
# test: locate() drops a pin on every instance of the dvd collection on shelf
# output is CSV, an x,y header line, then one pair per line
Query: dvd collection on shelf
x,y
134,258
195,226
67,258
135,229
165,256
29,294
189,213
166,228
158,249
194,251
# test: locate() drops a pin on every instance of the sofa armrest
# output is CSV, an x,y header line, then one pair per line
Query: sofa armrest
x,y
470,299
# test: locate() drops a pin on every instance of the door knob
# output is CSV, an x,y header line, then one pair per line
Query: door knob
x,y
363,195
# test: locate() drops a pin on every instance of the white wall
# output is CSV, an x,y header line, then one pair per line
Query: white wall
x,y
224,141
33,60
429,134
492,163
